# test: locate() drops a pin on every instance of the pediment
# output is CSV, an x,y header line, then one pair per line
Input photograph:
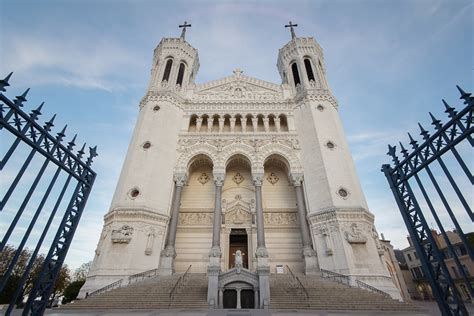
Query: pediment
x,y
238,87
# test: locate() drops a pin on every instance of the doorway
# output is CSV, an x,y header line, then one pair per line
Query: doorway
x,y
238,241
230,299
247,299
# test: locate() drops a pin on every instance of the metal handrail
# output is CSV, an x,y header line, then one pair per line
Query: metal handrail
x,y
346,280
364,285
177,285
298,281
338,277
106,288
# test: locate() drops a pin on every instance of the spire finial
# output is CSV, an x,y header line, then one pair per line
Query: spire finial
x,y
291,26
183,32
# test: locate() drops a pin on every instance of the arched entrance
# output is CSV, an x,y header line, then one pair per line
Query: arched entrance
x,y
238,288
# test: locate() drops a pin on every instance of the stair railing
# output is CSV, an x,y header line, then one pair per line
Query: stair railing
x,y
338,277
344,279
179,283
134,278
368,287
142,276
297,281
106,288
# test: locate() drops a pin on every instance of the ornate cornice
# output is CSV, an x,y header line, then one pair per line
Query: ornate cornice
x,y
340,214
138,213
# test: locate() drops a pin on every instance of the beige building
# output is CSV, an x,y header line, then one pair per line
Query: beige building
x,y
421,284
394,268
239,174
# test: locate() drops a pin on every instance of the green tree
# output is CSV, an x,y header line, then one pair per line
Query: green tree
x,y
72,290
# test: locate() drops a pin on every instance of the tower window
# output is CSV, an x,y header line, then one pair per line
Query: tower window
x,y
166,74
180,74
296,75
309,69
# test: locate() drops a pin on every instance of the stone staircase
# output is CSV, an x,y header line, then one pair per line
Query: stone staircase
x,y
153,293
324,294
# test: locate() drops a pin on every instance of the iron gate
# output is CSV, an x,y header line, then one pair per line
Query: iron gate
x,y
421,158
79,178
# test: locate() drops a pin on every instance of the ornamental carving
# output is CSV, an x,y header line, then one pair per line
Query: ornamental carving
x,y
239,89
280,219
238,178
273,178
203,178
354,235
195,219
238,211
122,235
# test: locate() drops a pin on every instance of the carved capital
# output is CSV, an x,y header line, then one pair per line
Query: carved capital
x,y
257,179
215,252
180,179
297,179
261,252
219,179
169,251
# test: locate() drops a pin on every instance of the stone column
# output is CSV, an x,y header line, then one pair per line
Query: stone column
x,y
215,254
232,124
263,269
243,122
255,123
266,123
309,255
169,253
210,122
239,305
277,124
198,124
221,124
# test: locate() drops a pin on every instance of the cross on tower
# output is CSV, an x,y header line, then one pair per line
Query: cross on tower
x,y
291,26
184,26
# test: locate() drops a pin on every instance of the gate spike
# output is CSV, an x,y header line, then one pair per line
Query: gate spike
x,y
49,123
403,150
464,95
72,143
392,151
92,154
21,98
413,142
435,121
37,112
61,134
449,109
424,132
4,82
81,152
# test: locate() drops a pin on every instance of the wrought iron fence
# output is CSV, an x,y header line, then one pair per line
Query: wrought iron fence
x,y
411,164
49,149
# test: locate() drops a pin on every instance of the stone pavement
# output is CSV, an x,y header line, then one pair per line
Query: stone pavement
x,y
430,308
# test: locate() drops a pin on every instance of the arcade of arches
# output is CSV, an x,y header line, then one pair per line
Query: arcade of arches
x,y
238,227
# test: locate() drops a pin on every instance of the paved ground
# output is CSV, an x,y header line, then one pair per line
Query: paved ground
x,y
430,308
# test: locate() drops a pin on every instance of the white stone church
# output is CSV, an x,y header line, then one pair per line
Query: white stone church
x,y
239,167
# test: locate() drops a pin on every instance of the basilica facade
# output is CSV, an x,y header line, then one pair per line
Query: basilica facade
x,y
239,166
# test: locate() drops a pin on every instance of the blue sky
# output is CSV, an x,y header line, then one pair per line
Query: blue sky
x,y
388,64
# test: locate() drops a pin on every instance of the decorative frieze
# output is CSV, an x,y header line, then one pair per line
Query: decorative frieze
x,y
123,235
195,219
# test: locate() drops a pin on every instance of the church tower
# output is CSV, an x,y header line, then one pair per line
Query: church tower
x,y
341,225
136,224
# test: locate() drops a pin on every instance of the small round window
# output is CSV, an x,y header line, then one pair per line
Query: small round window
x,y
330,145
156,108
320,108
343,193
146,145
134,193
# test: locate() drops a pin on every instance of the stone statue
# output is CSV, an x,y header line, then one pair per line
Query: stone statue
x,y
238,261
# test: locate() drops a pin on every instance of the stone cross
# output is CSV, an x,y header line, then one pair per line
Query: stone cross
x,y
291,26
237,71
184,26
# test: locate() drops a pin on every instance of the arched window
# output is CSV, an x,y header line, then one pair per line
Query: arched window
x,y
309,69
179,80
296,75
166,74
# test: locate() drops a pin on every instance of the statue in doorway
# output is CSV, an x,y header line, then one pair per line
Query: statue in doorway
x,y
238,260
